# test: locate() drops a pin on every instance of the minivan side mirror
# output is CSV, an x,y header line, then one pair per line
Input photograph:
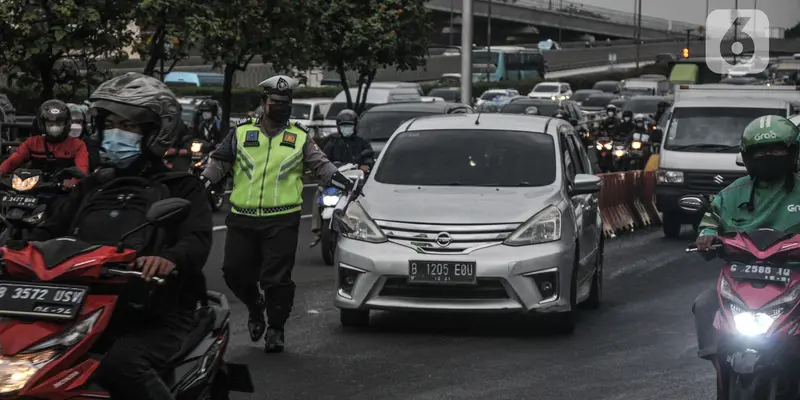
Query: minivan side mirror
x,y
657,135
585,184
739,160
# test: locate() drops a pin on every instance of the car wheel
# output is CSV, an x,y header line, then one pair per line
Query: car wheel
x,y
672,226
595,300
564,323
354,318
328,240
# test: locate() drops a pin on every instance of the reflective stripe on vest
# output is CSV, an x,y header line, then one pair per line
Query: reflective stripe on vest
x,y
268,177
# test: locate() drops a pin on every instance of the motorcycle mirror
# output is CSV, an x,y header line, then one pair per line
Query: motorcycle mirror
x,y
739,160
657,135
161,212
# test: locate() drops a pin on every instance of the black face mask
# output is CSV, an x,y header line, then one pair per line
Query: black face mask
x,y
279,112
770,168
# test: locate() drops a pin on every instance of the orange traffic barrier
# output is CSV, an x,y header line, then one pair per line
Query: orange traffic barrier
x,y
627,201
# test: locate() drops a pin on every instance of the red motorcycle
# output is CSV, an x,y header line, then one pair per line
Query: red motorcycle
x,y
758,318
57,298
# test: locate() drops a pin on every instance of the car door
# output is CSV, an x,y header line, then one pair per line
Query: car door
x,y
593,221
580,202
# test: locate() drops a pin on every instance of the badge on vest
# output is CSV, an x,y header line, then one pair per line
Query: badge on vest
x,y
251,139
289,139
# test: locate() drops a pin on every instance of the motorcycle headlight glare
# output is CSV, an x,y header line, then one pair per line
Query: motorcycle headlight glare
x,y
619,153
636,145
752,324
543,227
599,146
24,184
362,227
330,201
608,145
197,147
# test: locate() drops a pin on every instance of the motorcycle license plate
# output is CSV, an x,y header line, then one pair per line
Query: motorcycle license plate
x,y
441,272
19,201
41,301
761,272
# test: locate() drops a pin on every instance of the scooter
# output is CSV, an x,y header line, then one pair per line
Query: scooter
x,y
57,298
639,151
605,159
327,200
758,290
201,153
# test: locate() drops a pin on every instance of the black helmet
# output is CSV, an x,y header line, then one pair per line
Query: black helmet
x,y
54,119
611,109
208,105
346,118
627,114
142,100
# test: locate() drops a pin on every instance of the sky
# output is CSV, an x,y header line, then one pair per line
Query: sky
x,y
781,13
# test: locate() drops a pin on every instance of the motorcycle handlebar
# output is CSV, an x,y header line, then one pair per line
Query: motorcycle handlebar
x,y
693,248
127,272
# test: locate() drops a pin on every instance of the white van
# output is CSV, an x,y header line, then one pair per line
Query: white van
x,y
378,93
701,143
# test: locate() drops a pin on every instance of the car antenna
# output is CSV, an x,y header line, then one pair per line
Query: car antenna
x,y
478,118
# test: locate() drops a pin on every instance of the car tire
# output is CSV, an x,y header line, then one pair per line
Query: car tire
x,y
354,318
672,226
328,241
595,300
564,323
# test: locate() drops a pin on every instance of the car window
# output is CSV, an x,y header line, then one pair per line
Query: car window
x,y
565,88
380,125
468,158
573,151
709,126
547,109
301,111
585,163
568,156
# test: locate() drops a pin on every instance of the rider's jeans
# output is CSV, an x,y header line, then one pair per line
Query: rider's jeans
x,y
705,309
316,219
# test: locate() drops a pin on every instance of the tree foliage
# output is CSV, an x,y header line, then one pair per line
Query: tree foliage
x,y
368,35
165,38
794,32
45,43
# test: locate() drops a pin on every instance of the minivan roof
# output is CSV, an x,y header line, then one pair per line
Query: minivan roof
x,y
501,122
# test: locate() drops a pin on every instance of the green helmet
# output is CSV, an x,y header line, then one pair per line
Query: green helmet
x,y
769,130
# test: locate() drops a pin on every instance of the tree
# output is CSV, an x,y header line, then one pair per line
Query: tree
x,y
243,29
37,35
365,36
794,32
168,39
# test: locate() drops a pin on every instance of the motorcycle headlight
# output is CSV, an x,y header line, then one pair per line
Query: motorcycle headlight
x,y
362,227
330,200
636,145
599,146
543,227
608,145
34,219
24,184
197,147
619,153
752,324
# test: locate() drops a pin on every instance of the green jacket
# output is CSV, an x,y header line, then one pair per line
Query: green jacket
x,y
774,208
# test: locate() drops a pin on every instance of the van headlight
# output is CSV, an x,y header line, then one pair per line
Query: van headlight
x,y
24,184
664,176
543,227
362,227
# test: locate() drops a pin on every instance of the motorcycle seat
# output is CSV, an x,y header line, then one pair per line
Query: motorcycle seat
x,y
56,251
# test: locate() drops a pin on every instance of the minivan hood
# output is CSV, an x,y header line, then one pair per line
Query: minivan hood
x,y
713,162
455,205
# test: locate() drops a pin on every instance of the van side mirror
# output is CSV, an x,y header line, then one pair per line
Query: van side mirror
x,y
739,160
657,135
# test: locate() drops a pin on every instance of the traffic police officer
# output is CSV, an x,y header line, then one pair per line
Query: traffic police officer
x,y
267,155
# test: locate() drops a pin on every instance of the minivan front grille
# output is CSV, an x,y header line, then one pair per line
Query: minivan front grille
x,y
484,289
710,182
445,239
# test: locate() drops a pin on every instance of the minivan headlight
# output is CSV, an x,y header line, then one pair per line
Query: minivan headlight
x,y
362,227
543,227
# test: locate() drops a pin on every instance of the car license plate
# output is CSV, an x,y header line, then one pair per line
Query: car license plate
x,y
441,272
761,272
19,201
41,301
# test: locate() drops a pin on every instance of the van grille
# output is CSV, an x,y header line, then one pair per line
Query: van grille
x,y
710,182
432,238
485,289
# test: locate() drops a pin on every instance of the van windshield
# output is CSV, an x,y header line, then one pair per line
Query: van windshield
x,y
336,108
381,125
711,129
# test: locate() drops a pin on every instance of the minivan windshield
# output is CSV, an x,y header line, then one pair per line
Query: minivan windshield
x,y
336,108
543,88
380,125
597,101
711,129
471,157
582,95
521,107
643,106
450,95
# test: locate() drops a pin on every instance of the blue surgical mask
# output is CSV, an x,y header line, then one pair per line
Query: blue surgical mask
x,y
347,130
121,147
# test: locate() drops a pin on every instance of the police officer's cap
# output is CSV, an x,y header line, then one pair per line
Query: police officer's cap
x,y
279,87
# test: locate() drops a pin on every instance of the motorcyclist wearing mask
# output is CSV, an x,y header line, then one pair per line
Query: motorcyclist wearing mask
x,y
640,124
344,148
206,122
267,156
80,129
626,126
769,149
56,149
136,116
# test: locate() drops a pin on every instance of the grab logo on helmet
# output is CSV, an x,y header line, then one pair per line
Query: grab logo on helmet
x,y
768,135
793,208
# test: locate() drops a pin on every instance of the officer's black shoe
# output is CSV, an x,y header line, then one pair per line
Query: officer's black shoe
x,y
274,341
257,322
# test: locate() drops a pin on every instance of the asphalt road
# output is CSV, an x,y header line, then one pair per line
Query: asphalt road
x,y
641,345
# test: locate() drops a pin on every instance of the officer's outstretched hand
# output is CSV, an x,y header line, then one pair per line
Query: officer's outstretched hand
x,y
341,182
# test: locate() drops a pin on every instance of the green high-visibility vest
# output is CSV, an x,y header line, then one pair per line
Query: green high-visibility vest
x,y
268,172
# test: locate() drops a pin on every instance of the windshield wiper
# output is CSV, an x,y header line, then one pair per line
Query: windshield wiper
x,y
717,147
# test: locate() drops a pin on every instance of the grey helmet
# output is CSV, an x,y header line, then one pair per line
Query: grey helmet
x,y
141,99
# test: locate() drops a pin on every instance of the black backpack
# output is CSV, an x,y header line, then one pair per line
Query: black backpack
x,y
120,205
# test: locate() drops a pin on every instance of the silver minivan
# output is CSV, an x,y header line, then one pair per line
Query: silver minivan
x,y
378,93
492,213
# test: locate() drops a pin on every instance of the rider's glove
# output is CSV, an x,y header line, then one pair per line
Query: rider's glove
x,y
206,182
340,181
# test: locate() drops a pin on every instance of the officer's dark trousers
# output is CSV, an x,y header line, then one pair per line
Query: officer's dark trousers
x,y
142,347
261,250
705,309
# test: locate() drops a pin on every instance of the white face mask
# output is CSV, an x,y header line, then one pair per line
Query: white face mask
x,y
347,130
206,115
627,119
75,130
55,130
